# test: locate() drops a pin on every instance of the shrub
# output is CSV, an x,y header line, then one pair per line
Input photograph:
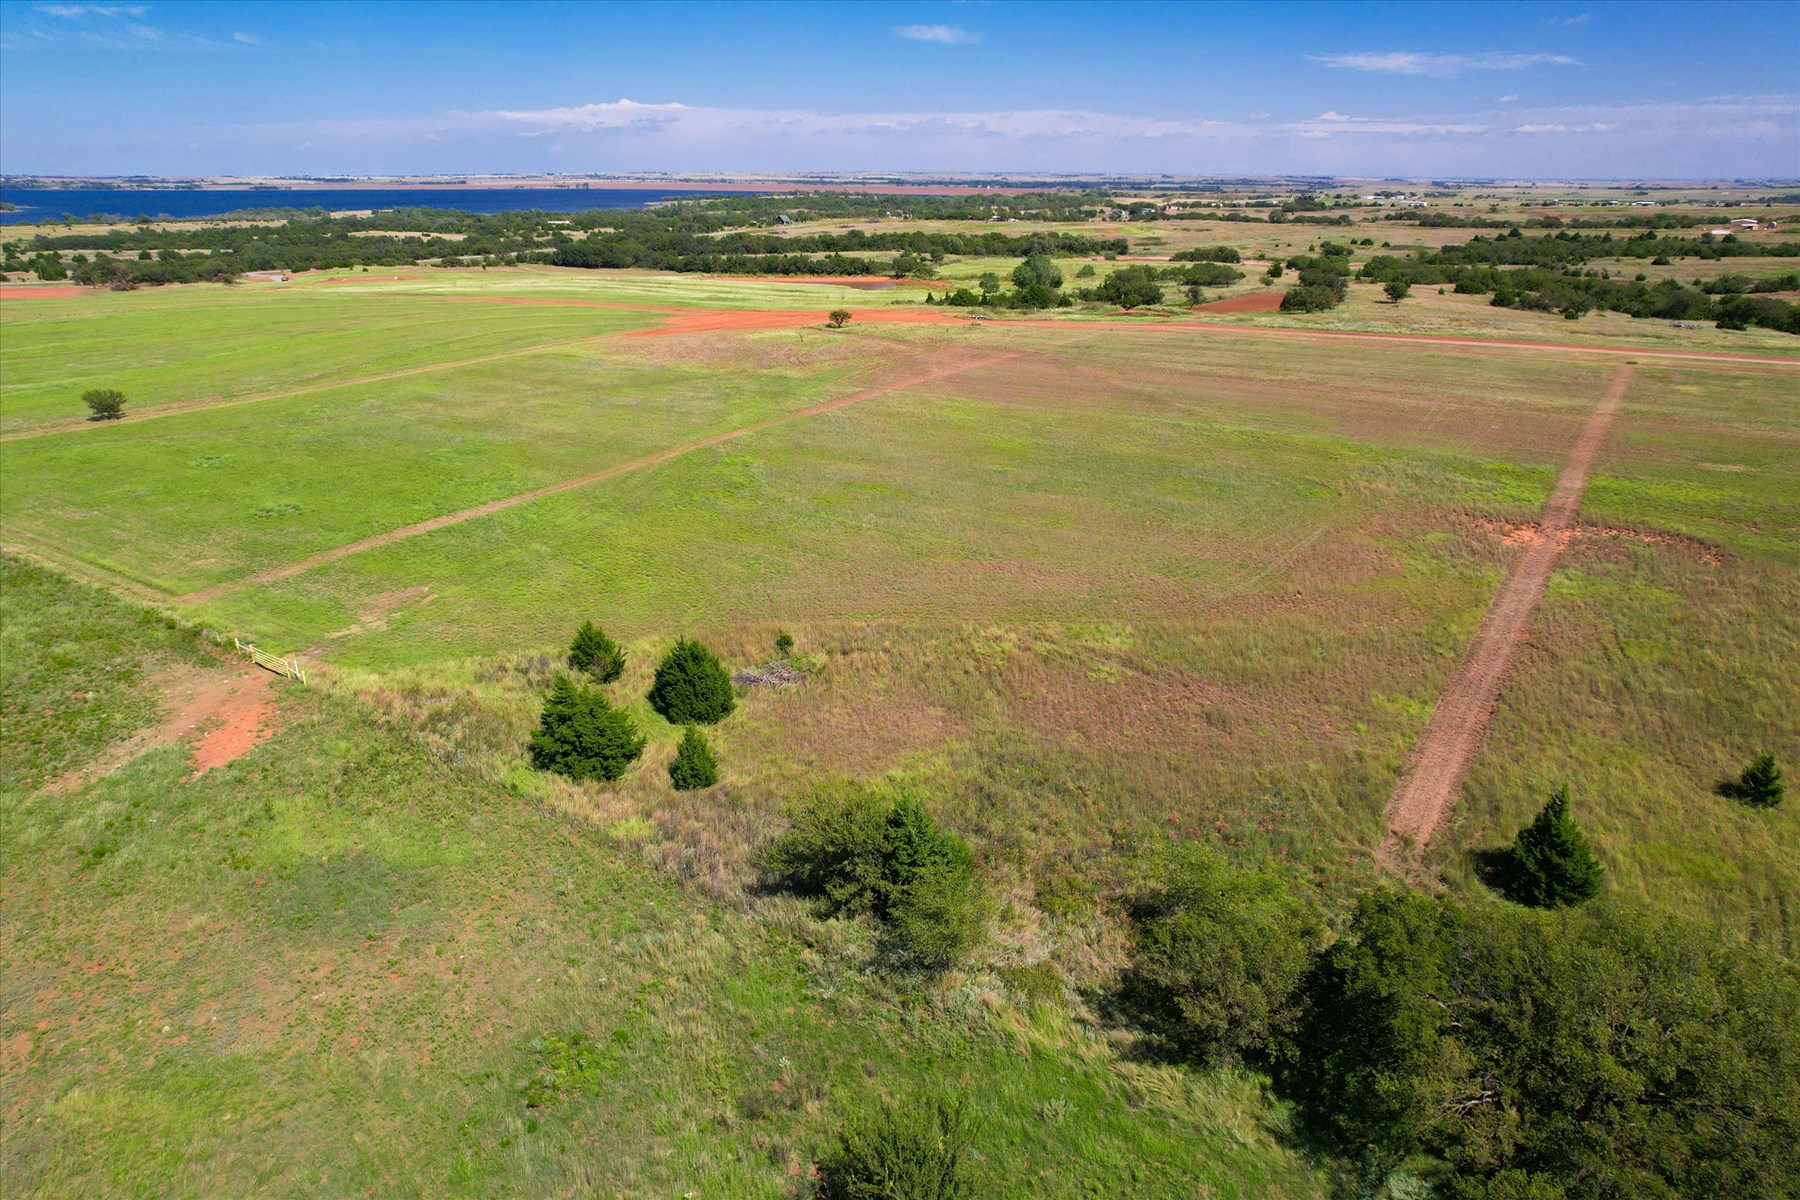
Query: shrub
x,y
902,1152
861,853
837,318
1219,956
1398,289
1309,299
694,766
1130,287
784,644
1759,786
595,653
582,736
1552,866
107,404
1086,272
691,686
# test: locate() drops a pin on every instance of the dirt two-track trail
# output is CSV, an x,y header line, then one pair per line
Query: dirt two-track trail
x,y
288,571
1428,789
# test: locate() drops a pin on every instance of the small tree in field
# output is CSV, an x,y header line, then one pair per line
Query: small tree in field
x,y
1759,786
596,654
838,318
694,766
1398,290
784,644
691,686
1552,866
582,736
107,404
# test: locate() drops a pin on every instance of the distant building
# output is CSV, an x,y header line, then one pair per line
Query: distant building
x,y
1746,223
783,219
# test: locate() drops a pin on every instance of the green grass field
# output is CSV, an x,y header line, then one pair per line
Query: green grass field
x,y
1097,589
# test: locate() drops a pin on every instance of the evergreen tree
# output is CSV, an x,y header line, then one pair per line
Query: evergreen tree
x,y
1759,786
1552,866
582,736
694,766
594,652
691,686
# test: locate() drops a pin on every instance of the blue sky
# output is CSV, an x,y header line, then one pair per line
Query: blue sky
x,y
1553,89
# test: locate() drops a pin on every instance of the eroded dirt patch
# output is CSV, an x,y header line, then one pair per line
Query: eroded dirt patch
x,y
1255,302
228,712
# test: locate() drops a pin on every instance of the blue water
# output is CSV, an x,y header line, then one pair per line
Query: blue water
x,y
35,205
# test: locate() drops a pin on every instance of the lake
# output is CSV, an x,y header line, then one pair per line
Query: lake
x,y
34,204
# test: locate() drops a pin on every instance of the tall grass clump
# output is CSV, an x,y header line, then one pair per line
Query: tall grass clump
x,y
914,1151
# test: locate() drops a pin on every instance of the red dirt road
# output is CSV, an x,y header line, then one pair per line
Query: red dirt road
x,y
1445,751
648,461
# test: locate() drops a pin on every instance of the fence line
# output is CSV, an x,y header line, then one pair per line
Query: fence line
x,y
281,666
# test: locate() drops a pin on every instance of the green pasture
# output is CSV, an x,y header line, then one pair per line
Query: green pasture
x,y
203,341
331,967
197,498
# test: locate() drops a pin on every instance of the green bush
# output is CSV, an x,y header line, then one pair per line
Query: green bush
x,y
1219,955
1600,1054
1131,287
595,653
582,736
1552,866
1309,299
691,686
694,766
902,1152
861,853
1759,786
784,644
107,404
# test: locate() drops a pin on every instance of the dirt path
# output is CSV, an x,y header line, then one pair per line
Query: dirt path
x,y
647,462
1445,751
229,711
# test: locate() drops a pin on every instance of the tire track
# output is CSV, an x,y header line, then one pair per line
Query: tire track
x,y
1441,758
649,461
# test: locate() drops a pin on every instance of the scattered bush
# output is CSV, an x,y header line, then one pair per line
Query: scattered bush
x,y
837,318
862,853
1086,272
581,735
1552,865
691,686
784,644
1759,786
107,404
1398,289
902,1152
596,654
1220,954
693,766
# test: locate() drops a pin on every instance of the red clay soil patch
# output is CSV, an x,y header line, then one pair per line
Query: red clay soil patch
x,y
30,291
1530,534
1254,302
1442,756
230,711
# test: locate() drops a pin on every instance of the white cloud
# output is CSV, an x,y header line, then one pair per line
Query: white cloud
x,y
1577,19
76,12
948,35
1405,62
247,39
1508,98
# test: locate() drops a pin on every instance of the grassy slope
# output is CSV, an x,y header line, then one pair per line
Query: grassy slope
x,y
321,971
